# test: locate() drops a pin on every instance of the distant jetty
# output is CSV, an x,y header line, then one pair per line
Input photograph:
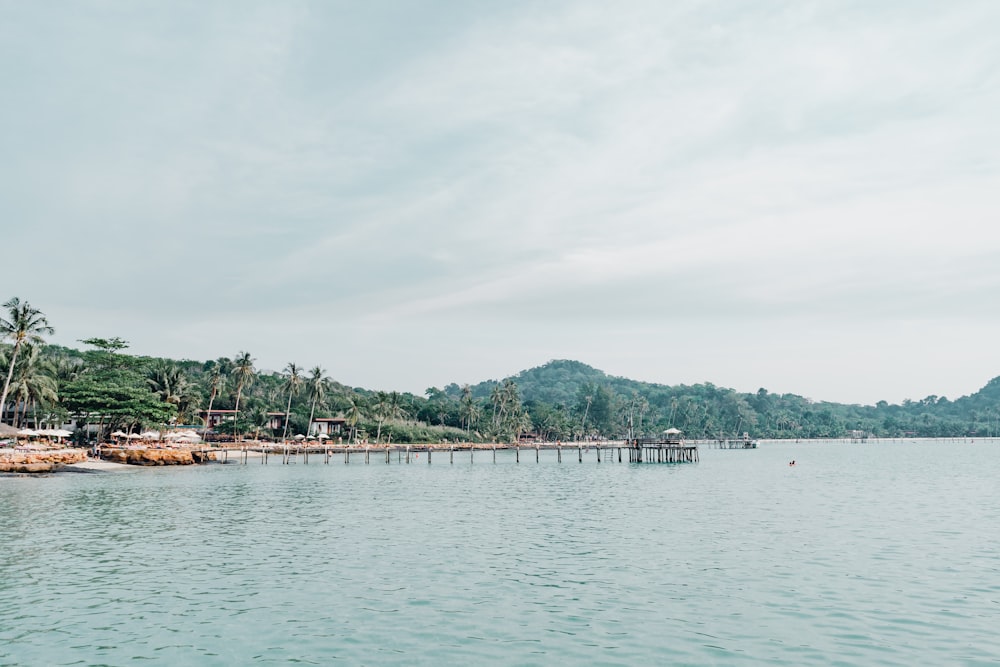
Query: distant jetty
x,y
632,451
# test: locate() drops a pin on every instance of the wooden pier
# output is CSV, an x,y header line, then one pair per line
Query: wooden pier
x,y
635,451
651,450
740,442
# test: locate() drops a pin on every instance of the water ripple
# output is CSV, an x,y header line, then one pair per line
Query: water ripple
x,y
876,555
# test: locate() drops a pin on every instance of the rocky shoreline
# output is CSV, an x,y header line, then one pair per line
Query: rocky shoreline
x,y
40,461
157,457
20,462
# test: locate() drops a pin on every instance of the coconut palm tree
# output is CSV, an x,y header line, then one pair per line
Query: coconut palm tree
x,y
33,383
259,418
506,403
469,410
69,369
293,380
244,373
317,385
24,325
167,381
381,407
217,372
583,424
353,411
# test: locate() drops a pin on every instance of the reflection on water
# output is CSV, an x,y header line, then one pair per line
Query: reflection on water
x,y
860,554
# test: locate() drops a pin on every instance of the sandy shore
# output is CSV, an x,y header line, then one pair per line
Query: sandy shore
x,y
95,465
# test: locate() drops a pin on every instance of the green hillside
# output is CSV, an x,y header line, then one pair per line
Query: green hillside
x,y
562,399
705,410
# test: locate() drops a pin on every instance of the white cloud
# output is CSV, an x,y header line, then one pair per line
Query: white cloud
x,y
361,172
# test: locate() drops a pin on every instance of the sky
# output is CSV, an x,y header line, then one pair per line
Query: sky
x,y
795,195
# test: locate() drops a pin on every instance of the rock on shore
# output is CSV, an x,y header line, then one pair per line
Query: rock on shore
x,y
157,457
27,462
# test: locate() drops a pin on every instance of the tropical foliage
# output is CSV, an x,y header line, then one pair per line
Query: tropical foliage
x,y
108,388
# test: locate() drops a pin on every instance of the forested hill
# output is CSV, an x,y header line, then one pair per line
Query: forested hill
x,y
559,400
106,386
557,382
576,390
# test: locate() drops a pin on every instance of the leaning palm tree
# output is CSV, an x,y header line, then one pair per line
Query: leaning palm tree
x,y
293,380
244,373
317,386
23,325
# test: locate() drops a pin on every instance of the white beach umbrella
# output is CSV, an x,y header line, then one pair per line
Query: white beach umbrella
x,y
119,434
150,435
322,436
61,433
300,437
133,436
27,432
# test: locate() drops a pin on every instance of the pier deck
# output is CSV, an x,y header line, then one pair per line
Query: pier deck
x,y
610,452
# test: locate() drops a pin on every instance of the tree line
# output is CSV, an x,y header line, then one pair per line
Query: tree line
x,y
106,387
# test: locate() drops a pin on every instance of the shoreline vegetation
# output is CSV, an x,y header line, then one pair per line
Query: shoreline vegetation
x,y
101,394
114,458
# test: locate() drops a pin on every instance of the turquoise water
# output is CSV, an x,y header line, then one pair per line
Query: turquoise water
x,y
883,554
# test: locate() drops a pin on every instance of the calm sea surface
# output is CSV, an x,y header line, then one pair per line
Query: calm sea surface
x,y
877,554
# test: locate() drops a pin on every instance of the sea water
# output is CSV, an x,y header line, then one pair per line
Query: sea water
x,y
860,554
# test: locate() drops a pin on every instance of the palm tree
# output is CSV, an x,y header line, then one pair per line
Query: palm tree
x,y
293,380
506,403
24,326
469,410
353,412
259,418
216,381
245,373
396,409
643,409
317,384
33,383
496,400
69,369
381,408
167,381
514,414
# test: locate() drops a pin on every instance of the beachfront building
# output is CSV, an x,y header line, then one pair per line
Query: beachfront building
x,y
18,414
276,421
330,426
216,417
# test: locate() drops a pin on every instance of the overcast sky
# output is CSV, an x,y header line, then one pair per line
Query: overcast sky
x,y
801,196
